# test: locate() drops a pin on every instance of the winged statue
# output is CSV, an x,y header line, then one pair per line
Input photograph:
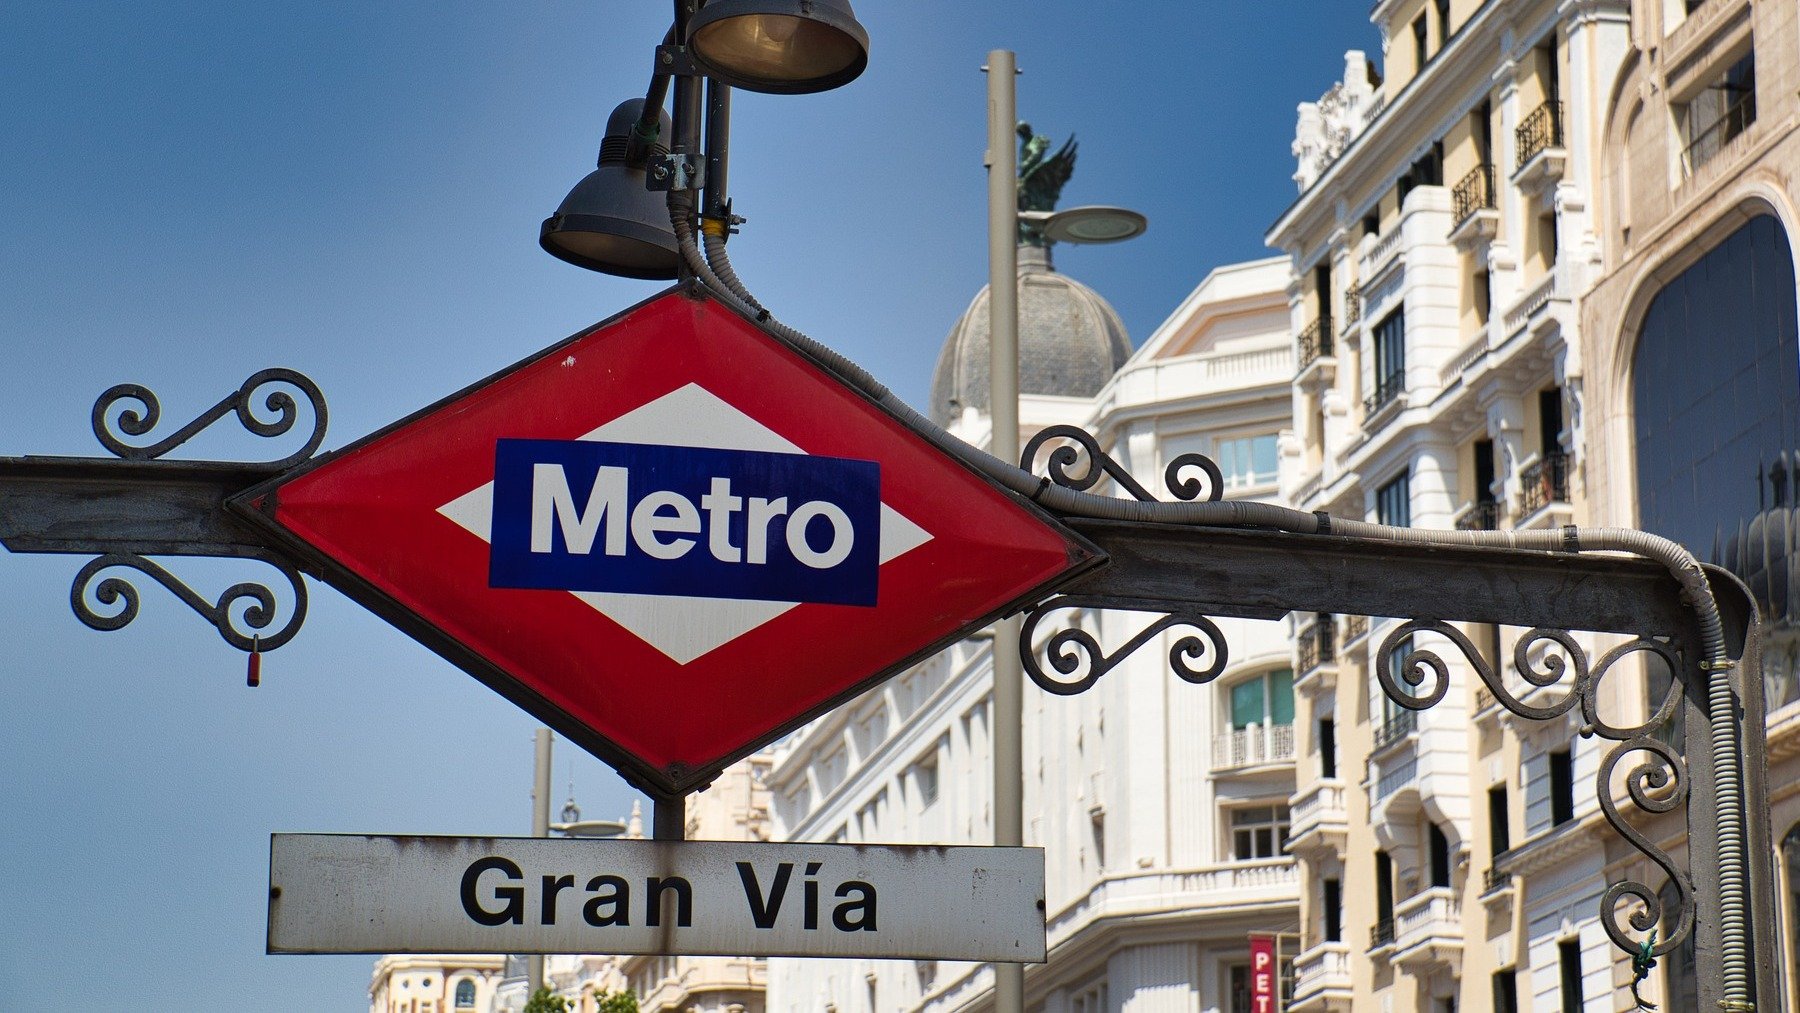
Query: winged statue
x,y
1041,178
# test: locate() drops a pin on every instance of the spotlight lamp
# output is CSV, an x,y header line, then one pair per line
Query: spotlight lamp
x,y
611,222
779,46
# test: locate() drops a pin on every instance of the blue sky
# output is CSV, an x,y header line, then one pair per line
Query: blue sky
x,y
195,191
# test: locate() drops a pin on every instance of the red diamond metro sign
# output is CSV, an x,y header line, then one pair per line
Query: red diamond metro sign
x,y
671,537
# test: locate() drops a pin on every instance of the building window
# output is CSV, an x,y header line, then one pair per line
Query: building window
x,y
1499,837
1247,460
1443,19
1506,991
1562,787
925,778
1332,911
1393,502
1097,828
1712,429
1418,31
465,994
1327,747
1089,1000
1568,953
1440,857
1389,377
1384,900
1266,699
1722,111
1258,832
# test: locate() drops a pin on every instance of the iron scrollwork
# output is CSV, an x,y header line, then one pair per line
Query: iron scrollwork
x,y
1073,651
1077,447
1077,462
140,420
1543,658
244,613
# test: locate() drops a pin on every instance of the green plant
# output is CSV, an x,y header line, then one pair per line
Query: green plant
x,y
622,1001
546,1001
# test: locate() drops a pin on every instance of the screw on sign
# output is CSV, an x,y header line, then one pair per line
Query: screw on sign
x,y
671,537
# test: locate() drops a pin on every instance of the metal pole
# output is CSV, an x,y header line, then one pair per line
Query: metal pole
x,y
668,818
540,827
1003,408
718,148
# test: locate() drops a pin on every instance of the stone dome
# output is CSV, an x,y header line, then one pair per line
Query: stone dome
x,y
1071,341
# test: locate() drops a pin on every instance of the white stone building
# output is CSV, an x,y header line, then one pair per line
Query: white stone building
x,y
1160,805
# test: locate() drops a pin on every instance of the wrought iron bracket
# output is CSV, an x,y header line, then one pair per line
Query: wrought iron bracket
x,y
1183,575
137,505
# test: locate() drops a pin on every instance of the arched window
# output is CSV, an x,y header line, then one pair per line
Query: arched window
x,y
465,994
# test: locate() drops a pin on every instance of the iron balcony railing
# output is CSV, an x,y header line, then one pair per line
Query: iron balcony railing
x,y
1382,934
1479,517
1737,119
1352,305
1387,389
1494,881
1474,193
1315,341
1542,129
1544,482
1355,627
1318,646
1395,728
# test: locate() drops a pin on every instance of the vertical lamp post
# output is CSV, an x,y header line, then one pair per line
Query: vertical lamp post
x,y
1003,407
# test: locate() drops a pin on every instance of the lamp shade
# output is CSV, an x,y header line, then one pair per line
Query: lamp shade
x,y
610,222
779,46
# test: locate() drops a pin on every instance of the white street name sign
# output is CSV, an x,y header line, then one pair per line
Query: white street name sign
x,y
352,893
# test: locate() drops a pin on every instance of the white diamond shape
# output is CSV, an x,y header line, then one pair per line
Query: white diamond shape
x,y
684,628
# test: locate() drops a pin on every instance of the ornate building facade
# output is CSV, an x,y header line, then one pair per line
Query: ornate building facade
x,y
1160,806
1543,279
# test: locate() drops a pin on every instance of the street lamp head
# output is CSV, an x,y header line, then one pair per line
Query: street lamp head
x,y
1094,224
611,222
785,47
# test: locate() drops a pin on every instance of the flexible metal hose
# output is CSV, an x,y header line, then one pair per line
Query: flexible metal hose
x,y
715,271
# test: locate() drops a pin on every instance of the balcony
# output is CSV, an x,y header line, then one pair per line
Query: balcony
x,y
1355,628
1317,668
1352,306
1732,123
1472,208
1269,885
1540,148
1381,937
1319,819
1254,745
1379,407
1322,979
1315,342
1494,881
1428,932
1542,484
1397,727
1479,517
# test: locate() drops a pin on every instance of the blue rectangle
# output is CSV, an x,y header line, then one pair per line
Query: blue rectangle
x,y
581,515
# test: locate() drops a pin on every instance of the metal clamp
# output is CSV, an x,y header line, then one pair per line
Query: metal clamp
x,y
676,171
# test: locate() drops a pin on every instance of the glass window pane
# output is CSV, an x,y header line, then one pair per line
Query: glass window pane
x,y
1247,703
1281,696
1263,454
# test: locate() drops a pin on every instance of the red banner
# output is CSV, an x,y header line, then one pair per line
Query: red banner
x,y
1262,974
